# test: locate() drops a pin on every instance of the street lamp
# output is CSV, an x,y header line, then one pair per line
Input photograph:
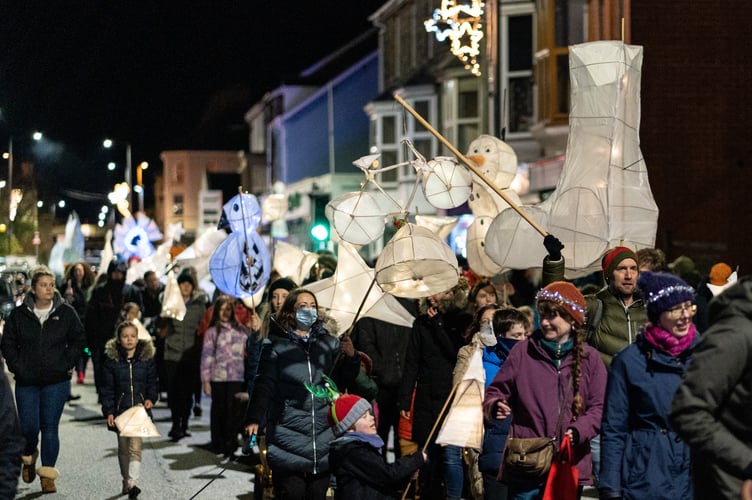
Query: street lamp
x,y
140,184
107,143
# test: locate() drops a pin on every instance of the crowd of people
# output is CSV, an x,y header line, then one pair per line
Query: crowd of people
x,y
648,378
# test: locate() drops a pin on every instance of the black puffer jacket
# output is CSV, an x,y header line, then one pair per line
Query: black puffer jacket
x,y
128,382
362,473
297,430
42,354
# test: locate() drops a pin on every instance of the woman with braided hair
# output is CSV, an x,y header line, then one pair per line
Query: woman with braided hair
x,y
553,383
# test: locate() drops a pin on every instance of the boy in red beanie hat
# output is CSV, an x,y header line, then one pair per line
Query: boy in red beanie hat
x,y
355,455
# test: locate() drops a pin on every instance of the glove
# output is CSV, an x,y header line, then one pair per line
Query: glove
x,y
553,246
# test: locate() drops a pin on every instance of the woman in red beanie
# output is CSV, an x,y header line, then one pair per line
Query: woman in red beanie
x,y
553,371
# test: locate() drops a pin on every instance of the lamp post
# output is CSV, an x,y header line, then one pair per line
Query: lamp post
x,y
107,143
140,184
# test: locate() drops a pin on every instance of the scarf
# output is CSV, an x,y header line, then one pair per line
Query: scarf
x,y
372,439
557,351
665,341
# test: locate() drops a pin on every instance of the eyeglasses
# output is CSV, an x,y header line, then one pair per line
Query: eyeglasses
x,y
678,311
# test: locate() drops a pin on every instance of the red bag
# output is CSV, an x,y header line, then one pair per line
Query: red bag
x,y
562,478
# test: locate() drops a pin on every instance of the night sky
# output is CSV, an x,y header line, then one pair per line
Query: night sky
x,y
159,75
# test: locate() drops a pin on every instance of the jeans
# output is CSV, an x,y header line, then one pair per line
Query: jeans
x,y
595,455
453,471
39,409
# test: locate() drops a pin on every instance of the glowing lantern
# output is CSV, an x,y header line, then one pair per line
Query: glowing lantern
x,y
416,263
356,217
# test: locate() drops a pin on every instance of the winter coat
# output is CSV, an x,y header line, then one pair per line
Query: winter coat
x,y
128,382
42,354
297,430
712,407
386,344
641,456
103,310
535,390
496,431
180,343
11,439
618,326
430,359
362,474
223,353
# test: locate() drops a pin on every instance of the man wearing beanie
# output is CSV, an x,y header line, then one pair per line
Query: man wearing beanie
x,y
355,454
616,313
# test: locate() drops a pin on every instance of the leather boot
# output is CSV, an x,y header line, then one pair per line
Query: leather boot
x,y
28,472
47,476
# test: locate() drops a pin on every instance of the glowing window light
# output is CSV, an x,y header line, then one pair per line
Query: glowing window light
x,y
461,22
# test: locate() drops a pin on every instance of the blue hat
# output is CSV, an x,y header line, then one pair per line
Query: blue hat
x,y
663,291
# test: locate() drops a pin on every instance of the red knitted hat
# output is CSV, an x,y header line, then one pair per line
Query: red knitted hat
x,y
346,410
566,295
612,258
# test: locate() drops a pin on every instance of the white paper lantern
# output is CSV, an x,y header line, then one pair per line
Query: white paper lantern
x,y
356,217
416,263
439,225
447,184
274,207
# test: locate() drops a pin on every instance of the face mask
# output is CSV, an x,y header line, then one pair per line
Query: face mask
x,y
487,336
306,316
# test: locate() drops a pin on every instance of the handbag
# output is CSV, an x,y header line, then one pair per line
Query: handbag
x,y
563,477
528,458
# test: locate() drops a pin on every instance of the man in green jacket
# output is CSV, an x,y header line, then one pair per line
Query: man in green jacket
x,y
616,313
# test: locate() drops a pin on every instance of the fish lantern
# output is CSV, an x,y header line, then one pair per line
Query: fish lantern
x,y
447,184
242,213
416,263
356,217
240,266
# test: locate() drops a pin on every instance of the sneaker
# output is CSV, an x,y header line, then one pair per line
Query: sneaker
x,y
133,492
197,411
73,397
80,379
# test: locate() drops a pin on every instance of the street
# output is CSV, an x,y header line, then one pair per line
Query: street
x,y
89,468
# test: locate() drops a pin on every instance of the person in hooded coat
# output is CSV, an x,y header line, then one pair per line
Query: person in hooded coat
x,y
103,310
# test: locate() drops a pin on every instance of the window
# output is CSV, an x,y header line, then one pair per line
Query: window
x,y
562,23
177,205
389,127
462,109
517,58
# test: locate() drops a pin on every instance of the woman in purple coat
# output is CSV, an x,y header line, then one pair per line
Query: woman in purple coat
x,y
552,371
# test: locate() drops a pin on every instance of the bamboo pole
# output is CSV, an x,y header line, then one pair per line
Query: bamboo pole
x,y
472,166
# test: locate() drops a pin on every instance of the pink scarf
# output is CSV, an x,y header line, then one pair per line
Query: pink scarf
x,y
667,342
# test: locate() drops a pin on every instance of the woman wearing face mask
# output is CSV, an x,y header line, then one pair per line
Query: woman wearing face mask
x,y
297,430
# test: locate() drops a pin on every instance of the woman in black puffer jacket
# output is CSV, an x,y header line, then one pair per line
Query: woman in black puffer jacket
x,y
297,354
42,339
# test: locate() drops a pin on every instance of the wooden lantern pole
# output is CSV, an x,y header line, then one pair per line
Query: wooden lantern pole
x,y
472,166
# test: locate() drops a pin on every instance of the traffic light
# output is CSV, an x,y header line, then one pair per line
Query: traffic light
x,y
320,230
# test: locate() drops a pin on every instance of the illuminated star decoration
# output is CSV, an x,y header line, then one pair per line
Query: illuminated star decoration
x,y
133,237
461,22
